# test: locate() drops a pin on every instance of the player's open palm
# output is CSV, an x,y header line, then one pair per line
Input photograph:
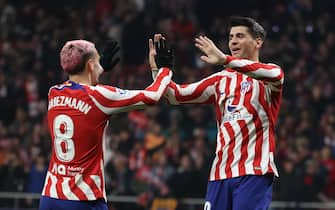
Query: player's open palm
x,y
212,54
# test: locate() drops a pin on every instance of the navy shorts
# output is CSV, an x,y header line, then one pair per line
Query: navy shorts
x,y
249,192
47,203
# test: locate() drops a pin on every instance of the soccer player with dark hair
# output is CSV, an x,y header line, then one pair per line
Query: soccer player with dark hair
x,y
78,114
246,96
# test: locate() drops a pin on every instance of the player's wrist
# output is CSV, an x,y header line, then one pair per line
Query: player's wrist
x,y
222,59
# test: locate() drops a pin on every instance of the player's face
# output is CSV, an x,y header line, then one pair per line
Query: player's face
x,y
242,44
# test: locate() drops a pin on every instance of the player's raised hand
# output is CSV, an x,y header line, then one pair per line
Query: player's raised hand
x,y
109,56
152,54
164,53
212,54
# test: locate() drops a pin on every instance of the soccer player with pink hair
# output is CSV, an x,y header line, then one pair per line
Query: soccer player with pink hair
x,y
78,114
246,96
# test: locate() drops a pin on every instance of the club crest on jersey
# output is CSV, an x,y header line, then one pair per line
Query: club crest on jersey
x,y
245,86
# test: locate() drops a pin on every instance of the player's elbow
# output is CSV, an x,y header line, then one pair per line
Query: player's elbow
x,y
276,76
171,101
280,77
156,98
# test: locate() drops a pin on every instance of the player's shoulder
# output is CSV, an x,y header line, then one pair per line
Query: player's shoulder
x,y
107,90
102,88
220,75
67,85
274,65
108,87
56,87
227,72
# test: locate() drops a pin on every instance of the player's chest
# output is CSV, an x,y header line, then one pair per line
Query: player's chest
x,y
241,93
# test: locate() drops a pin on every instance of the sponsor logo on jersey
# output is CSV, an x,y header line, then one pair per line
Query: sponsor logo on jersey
x,y
230,107
233,112
66,170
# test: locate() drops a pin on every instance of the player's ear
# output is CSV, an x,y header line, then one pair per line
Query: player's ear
x,y
259,43
89,65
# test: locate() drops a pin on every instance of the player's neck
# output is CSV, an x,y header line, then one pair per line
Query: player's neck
x,y
254,57
80,78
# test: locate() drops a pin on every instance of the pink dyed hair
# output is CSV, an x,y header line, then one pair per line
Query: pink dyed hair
x,y
73,54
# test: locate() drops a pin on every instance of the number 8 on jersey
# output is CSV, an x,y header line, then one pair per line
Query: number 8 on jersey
x,y
63,131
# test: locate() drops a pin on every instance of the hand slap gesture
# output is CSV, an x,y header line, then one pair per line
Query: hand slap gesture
x,y
160,54
212,54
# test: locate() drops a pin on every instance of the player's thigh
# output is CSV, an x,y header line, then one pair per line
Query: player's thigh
x,y
253,193
218,196
47,203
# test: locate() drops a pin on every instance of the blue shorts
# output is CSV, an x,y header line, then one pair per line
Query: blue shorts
x,y
47,203
249,192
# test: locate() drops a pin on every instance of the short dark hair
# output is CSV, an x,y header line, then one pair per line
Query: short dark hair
x,y
255,29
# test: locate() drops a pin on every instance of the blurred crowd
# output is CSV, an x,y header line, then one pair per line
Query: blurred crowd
x,y
167,150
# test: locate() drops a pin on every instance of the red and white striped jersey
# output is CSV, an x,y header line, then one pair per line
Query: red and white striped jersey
x,y
246,97
78,115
